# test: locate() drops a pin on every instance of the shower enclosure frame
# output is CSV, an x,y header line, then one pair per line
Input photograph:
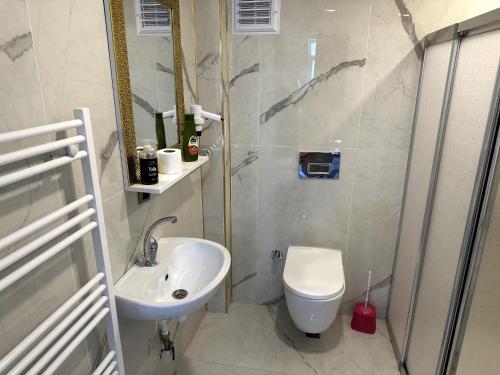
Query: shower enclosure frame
x,y
471,249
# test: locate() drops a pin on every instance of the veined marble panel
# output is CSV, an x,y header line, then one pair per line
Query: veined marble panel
x,y
298,212
316,16
244,220
64,46
208,69
21,105
127,221
244,89
71,69
213,212
188,41
376,205
331,79
311,89
208,76
32,298
390,87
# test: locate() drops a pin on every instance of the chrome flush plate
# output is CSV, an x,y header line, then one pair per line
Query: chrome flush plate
x,y
319,165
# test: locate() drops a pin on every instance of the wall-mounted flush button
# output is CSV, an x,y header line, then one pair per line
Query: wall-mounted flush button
x,y
319,165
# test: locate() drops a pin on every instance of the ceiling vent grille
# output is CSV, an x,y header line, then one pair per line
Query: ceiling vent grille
x,y
256,16
152,18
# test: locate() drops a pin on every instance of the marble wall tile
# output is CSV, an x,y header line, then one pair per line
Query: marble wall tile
x,y
298,212
430,15
213,212
191,205
349,17
244,221
30,300
188,41
210,90
64,47
71,69
127,221
311,89
165,86
213,207
391,80
244,83
213,198
208,54
209,79
20,105
345,79
376,205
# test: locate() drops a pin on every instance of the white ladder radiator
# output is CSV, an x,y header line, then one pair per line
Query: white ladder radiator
x,y
48,345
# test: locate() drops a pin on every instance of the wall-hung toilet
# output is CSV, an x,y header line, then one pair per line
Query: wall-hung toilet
x,y
314,286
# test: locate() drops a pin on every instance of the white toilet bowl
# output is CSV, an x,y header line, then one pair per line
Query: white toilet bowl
x,y
314,286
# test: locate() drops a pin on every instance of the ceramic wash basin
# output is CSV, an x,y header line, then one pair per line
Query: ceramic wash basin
x,y
187,274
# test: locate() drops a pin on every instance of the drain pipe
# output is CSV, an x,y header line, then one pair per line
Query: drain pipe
x,y
167,345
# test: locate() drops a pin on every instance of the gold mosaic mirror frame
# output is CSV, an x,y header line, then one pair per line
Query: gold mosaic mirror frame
x,y
123,92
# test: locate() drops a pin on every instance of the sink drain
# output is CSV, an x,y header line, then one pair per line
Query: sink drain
x,y
180,293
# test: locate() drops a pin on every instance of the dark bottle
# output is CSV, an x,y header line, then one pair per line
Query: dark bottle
x,y
190,144
148,164
160,131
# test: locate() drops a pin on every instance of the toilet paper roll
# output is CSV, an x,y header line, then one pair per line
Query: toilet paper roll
x,y
169,160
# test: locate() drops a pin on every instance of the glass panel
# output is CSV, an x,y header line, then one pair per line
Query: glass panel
x,y
480,353
429,112
469,109
151,69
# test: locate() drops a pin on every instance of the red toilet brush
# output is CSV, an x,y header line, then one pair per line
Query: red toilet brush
x,y
364,318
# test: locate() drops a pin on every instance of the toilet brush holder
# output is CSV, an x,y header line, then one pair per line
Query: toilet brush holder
x,y
364,318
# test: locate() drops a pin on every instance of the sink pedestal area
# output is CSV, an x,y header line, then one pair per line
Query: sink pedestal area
x,y
187,274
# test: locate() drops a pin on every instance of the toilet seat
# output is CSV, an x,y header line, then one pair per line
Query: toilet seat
x,y
314,273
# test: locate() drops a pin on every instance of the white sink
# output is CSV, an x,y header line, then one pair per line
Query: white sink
x,y
194,265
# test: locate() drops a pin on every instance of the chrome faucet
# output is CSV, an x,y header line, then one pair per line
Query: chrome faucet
x,y
150,244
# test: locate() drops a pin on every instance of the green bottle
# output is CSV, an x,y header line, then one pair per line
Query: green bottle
x,y
160,131
190,145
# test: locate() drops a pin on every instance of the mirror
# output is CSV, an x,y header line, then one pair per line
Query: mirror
x,y
145,42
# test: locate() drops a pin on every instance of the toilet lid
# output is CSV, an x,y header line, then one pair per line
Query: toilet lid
x,y
314,273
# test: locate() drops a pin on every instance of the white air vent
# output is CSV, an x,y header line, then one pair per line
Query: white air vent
x,y
256,16
152,18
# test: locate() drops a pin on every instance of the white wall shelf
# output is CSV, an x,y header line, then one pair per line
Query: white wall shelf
x,y
165,181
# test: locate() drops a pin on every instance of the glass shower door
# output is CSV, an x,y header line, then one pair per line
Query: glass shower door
x,y
480,336
471,100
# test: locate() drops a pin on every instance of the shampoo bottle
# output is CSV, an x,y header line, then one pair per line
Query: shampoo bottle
x,y
148,163
190,144
160,130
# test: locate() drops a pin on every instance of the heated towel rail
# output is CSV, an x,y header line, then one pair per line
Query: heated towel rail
x,y
52,341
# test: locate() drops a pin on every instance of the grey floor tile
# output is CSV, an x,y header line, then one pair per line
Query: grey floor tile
x,y
258,339
194,367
